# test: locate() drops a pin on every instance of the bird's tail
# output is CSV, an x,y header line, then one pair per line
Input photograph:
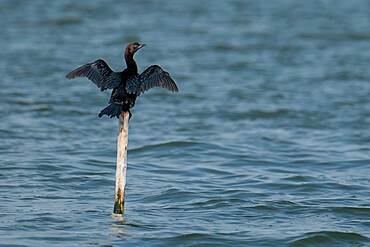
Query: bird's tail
x,y
113,110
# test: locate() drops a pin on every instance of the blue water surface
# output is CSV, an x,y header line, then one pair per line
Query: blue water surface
x,y
266,144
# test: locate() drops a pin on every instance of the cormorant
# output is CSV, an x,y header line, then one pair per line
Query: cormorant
x,y
126,85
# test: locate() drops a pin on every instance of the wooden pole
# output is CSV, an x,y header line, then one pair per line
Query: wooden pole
x,y
119,198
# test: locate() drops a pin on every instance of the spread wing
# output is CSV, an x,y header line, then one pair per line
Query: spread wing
x,y
99,73
154,76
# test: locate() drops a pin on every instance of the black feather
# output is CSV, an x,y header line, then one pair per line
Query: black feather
x,y
99,73
112,110
154,76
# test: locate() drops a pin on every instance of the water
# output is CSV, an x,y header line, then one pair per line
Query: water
x,y
267,143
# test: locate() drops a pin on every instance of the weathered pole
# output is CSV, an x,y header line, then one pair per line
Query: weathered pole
x,y
119,198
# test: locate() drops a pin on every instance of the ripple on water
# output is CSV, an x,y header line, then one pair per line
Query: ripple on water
x,y
328,238
266,144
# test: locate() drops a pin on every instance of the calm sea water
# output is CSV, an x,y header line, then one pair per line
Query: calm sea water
x,y
266,144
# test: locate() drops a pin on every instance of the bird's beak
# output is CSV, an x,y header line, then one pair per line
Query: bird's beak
x,y
141,46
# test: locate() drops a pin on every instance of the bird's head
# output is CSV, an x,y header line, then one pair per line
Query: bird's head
x,y
131,49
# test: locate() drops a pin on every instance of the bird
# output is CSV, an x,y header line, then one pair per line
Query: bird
x,y
126,85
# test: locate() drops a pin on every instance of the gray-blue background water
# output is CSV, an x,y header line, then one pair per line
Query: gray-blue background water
x,y
266,144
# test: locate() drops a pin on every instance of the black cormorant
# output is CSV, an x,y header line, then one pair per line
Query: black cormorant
x,y
126,85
